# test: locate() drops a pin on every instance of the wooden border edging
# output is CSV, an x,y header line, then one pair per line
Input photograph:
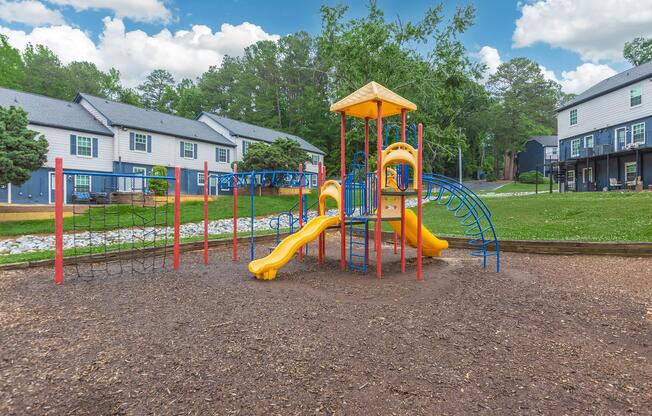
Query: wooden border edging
x,y
551,247
557,247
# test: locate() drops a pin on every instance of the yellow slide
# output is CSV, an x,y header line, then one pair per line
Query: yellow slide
x,y
431,245
267,267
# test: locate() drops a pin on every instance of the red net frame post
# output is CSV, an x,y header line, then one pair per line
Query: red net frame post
x,y
419,200
177,215
300,205
206,212
378,228
235,212
403,125
58,220
320,249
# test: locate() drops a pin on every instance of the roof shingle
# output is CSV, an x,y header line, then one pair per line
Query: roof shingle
x,y
126,115
52,112
246,130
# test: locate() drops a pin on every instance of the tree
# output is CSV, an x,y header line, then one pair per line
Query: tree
x,y
527,104
21,150
85,77
12,69
638,51
159,186
44,73
282,154
155,91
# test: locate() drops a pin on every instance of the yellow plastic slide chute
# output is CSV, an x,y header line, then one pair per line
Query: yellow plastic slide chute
x,y
431,246
267,267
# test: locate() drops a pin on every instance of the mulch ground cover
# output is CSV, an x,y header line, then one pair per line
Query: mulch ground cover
x,y
548,335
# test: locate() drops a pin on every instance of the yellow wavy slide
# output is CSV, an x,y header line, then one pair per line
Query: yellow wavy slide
x,y
267,267
431,246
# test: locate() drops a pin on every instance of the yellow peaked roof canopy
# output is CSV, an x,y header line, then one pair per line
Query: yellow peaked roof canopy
x,y
362,103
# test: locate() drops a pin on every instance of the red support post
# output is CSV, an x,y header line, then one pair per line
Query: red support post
x,y
366,187
58,220
379,166
177,215
419,199
206,212
320,248
342,190
300,205
235,212
403,125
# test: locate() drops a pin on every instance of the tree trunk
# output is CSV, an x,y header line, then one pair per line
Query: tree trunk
x,y
508,170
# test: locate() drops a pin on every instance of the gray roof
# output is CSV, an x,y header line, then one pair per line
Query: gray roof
x,y
630,76
126,115
545,140
46,111
246,130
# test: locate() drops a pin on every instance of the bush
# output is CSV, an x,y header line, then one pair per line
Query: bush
x,y
159,186
490,177
531,177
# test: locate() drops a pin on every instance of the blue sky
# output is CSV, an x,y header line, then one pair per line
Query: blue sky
x,y
576,42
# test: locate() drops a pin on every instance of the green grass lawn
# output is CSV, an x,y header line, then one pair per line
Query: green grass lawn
x,y
522,187
589,216
122,216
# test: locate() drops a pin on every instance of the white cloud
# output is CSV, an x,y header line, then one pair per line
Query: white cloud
x,y
582,78
491,58
29,12
138,10
594,29
185,53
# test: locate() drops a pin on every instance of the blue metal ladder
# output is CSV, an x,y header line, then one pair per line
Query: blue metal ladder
x,y
358,230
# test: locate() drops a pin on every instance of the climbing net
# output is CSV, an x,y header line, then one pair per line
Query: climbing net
x,y
120,223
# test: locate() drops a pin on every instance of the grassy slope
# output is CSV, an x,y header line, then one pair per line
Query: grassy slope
x,y
522,187
592,216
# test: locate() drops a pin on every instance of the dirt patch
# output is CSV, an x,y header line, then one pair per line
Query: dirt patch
x,y
549,335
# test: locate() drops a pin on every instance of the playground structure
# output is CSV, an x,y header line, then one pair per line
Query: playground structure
x,y
363,196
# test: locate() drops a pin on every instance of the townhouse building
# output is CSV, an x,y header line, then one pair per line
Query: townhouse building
x,y
605,134
539,153
98,135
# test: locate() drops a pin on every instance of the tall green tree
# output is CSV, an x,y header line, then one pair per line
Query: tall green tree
x,y
12,69
21,150
44,73
282,154
527,104
638,51
85,77
157,89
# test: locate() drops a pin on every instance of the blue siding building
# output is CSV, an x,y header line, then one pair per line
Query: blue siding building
x,y
605,134
538,153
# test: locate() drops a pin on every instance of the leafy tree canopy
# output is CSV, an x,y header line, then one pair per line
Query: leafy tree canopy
x,y
282,154
21,149
638,51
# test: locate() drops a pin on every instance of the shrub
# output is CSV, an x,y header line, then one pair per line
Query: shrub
x,y
531,177
490,177
159,186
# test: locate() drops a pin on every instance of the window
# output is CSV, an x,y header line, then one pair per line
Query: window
x,y
313,181
315,159
630,172
140,142
587,175
638,133
84,146
189,150
588,142
245,146
82,183
573,117
635,96
570,179
200,178
223,155
139,183
575,147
